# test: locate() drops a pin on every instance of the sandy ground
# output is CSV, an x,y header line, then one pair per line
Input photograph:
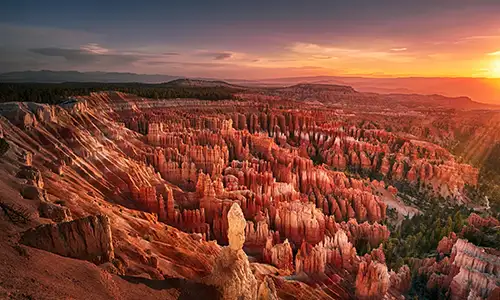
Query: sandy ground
x,y
394,202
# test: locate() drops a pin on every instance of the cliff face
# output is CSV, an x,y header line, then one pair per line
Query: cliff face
x,y
88,238
471,271
479,271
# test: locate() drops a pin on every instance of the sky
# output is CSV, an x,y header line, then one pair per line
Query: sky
x,y
254,39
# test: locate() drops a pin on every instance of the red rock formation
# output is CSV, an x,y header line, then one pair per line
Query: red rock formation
x,y
298,221
55,212
310,259
470,272
477,221
374,234
279,255
446,243
88,238
231,273
188,161
372,281
401,280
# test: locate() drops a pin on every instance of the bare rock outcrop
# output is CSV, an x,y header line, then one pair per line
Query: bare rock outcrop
x,y
267,290
32,192
372,281
401,280
478,221
446,243
86,238
479,271
32,174
232,273
55,212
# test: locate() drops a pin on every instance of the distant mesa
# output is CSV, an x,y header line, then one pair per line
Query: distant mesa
x,y
186,82
322,88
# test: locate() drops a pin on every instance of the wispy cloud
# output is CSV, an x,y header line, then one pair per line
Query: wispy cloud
x,y
94,48
399,49
315,51
215,55
496,53
88,54
323,57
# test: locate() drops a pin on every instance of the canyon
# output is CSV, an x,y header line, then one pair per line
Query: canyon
x,y
278,194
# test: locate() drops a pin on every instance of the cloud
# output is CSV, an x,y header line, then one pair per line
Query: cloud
x,y
496,53
399,49
323,57
94,48
315,50
88,54
216,55
222,56
185,64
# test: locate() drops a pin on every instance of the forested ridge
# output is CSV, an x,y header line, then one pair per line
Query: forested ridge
x,y
54,93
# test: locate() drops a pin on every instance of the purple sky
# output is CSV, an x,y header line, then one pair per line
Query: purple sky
x,y
254,39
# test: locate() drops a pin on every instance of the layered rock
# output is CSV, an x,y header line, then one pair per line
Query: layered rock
x,y
55,212
197,158
87,238
479,271
279,255
372,280
471,272
401,280
478,221
373,234
446,243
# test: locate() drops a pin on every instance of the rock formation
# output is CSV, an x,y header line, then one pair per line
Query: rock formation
x,y
87,238
372,281
55,212
232,273
401,280
479,271
294,188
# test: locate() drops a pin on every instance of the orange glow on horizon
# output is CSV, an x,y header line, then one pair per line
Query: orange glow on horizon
x,y
495,69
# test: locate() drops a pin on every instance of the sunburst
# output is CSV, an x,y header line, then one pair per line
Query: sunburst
x,y
495,68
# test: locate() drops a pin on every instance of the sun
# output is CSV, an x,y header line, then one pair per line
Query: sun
x,y
495,68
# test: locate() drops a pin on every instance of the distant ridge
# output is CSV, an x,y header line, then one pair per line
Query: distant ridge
x,y
46,76
187,82
485,90
322,87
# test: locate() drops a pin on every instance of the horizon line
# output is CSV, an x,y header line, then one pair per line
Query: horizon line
x,y
370,76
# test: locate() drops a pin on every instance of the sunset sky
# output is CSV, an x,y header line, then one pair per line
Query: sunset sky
x,y
254,39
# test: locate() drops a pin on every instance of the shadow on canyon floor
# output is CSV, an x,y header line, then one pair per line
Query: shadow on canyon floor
x,y
189,290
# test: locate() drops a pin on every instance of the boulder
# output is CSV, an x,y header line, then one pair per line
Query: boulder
x,y
32,192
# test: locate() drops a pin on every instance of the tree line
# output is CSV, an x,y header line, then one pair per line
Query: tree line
x,y
54,93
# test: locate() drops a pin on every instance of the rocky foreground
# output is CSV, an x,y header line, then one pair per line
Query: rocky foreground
x,y
130,198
